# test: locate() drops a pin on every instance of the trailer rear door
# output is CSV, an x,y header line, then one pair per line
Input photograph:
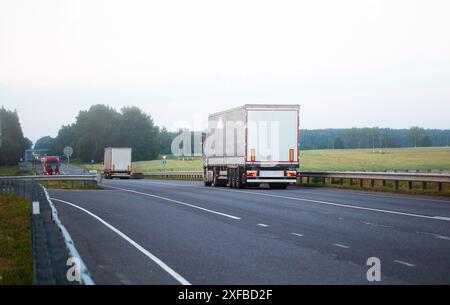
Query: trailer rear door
x,y
272,136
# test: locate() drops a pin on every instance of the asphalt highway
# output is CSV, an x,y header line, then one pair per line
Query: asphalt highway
x,y
180,232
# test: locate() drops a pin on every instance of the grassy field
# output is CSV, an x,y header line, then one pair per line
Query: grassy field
x,y
322,160
16,262
366,159
9,170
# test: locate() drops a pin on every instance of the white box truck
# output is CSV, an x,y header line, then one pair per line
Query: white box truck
x,y
117,162
251,145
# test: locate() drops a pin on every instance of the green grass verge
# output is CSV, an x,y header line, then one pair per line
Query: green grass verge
x,y
16,261
326,160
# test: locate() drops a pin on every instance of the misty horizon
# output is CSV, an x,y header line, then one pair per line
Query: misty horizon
x,y
347,63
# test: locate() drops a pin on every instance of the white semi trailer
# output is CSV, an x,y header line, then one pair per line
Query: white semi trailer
x,y
251,145
117,162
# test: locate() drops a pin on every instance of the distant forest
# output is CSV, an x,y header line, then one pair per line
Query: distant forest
x,y
372,138
354,138
101,126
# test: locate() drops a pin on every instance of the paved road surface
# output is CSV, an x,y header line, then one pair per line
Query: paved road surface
x,y
171,232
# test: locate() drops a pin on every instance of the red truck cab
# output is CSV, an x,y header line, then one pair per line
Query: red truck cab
x,y
51,165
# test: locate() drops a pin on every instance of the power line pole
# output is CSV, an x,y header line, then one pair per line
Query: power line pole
x,y
373,139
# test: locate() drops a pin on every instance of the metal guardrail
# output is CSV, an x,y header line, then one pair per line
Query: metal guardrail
x,y
322,177
52,245
396,177
186,175
97,178
84,179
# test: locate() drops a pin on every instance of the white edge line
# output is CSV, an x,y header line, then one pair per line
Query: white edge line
x,y
263,225
398,196
442,218
297,234
341,246
404,263
176,201
159,262
84,272
344,205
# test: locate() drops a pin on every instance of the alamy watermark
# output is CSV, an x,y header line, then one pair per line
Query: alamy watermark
x,y
74,272
224,138
374,272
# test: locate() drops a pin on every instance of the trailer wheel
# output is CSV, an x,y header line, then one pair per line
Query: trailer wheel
x,y
214,182
239,182
230,178
237,178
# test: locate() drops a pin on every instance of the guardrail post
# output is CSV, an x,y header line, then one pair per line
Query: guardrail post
x,y
410,185
384,183
361,183
424,185
324,180
351,181
341,181
440,186
372,183
396,184
308,180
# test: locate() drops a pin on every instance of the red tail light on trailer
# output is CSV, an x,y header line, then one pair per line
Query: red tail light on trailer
x,y
291,174
252,173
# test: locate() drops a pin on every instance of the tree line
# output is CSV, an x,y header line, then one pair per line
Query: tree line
x,y
101,126
375,138
12,141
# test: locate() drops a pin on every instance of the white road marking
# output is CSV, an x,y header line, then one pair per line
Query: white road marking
x,y
176,201
263,225
343,205
442,218
404,263
438,236
375,224
367,193
159,262
36,209
297,234
341,246
441,237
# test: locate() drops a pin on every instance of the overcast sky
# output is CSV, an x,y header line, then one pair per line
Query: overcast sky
x,y
348,63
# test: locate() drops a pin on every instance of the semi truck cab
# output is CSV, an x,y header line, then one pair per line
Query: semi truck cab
x,y
51,165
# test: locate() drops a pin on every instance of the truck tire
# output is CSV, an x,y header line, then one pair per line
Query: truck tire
x,y
230,178
205,177
233,178
215,182
237,178
239,182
